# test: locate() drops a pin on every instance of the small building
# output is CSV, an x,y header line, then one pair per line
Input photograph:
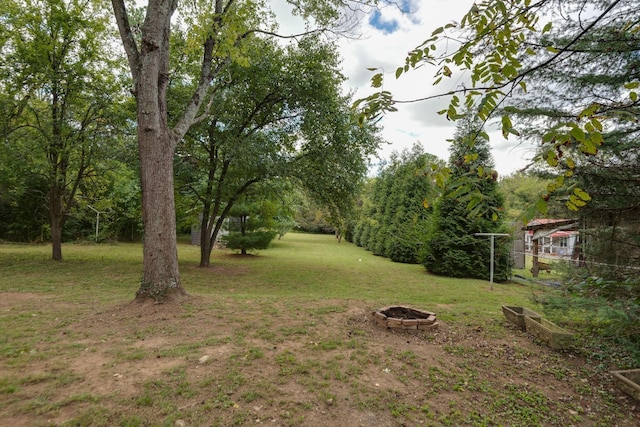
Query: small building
x,y
551,238
559,244
195,231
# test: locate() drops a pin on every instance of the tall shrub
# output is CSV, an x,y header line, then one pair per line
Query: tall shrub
x,y
392,218
452,247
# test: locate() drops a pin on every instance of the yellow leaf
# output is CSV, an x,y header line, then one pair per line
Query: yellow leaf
x,y
582,194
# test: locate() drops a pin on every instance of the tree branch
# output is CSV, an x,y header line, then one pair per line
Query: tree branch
x,y
128,40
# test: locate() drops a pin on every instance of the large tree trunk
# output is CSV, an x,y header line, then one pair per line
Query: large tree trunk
x,y
156,146
149,65
160,277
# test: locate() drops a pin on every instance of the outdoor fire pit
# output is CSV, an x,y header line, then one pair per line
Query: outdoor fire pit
x,y
405,318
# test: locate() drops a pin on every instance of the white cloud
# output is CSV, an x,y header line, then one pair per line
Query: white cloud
x,y
386,51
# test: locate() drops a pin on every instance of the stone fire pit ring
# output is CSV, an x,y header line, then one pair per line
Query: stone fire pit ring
x,y
400,317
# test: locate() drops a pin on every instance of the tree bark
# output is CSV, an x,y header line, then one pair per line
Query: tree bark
x,y
205,241
149,66
55,221
160,277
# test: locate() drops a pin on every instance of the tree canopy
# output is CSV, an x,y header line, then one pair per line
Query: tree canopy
x,y
280,116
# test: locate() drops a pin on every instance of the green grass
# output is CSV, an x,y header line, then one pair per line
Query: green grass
x,y
299,267
286,340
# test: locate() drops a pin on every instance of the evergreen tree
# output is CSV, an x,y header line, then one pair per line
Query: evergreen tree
x,y
452,249
393,219
251,225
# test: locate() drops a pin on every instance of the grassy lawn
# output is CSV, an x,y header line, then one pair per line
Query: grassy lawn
x,y
281,337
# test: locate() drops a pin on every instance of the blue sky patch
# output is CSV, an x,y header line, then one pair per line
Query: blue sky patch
x,y
377,21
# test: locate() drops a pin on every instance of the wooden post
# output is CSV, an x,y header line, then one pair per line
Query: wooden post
x,y
535,268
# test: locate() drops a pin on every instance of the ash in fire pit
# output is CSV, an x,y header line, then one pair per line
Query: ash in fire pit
x,y
405,318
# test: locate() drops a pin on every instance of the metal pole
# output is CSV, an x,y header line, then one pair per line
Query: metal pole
x,y
492,235
97,219
97,225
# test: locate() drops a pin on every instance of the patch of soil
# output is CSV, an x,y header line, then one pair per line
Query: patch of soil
x,y
13,299
219,361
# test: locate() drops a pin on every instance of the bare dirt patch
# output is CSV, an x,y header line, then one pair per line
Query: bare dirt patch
x,y
218,361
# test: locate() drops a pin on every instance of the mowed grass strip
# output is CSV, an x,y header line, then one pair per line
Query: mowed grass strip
x,y
300,266
314,267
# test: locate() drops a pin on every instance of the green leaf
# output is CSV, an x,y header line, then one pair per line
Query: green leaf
x,y
548,137
542,206
475,201
399,72
597,138
596,123
572,207
588,147
552,49
547,27
376,80
552,158
589,111
506,122
632,85
437,31
578,134
509,71
576,201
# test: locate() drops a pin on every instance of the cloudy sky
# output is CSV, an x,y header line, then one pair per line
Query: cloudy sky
x,y
387,36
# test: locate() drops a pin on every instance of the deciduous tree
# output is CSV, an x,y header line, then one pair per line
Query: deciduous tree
x,y
279,117
217,32
59,92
